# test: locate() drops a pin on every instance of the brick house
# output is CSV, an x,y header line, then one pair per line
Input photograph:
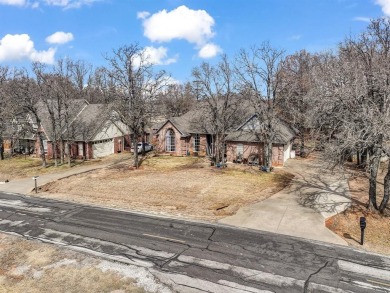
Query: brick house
x,y
94,131
181,136
18,136
243,143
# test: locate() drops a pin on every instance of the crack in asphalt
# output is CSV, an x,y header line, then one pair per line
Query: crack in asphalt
x,y
175,257
192,287
158,260
307,282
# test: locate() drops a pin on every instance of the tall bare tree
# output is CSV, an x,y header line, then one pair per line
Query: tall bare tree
x,y
354,109
4,99
261,78
297,98
26,95
176,100
137,86
220,103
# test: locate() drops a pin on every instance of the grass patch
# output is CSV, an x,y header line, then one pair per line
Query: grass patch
x,y
171,163
27,166
182,186
28,266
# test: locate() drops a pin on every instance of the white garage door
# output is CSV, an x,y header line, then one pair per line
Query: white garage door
x,y
102,148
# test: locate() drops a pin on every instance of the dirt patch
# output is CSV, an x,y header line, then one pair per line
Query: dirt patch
x,y
181,186
346,224
30,266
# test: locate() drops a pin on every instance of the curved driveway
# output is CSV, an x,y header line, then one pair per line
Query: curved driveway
x,y
300,209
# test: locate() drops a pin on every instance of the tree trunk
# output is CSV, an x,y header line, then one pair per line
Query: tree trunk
x,y
62,152
386,193
218,155
302,137
69,154
134,139
268,153
1,148
374,166
54,146
43,157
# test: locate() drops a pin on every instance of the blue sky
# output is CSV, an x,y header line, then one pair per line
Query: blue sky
x,y
179,34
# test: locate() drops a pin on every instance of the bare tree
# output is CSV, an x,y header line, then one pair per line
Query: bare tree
x,y
220,111
26,95
101,87
261,78
297,98
355,111
136,86
176,100
4,99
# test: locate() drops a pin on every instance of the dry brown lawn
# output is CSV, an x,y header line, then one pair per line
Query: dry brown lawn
x,y
33,267
346,224
181,186
25,166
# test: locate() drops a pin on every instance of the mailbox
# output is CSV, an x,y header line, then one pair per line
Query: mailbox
x,y
363,223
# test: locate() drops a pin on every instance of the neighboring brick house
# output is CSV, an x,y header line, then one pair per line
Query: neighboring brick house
x,y
19,134
180,136
94,131
243,144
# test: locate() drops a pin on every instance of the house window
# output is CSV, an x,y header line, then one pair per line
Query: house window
x,y
196,143
81,149
45,146
240,149
170,141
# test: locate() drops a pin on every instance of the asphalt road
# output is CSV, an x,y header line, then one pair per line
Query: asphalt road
x,y
197,257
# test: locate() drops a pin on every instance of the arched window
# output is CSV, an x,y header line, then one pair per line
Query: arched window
x,y
170,141
196,143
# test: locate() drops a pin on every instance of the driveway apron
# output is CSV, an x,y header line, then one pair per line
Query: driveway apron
x,y
300,209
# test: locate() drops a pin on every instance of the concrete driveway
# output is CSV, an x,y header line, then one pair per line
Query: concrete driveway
x,y
300,209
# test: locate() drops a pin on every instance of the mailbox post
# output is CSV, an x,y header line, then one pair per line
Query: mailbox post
x,y
363,225
36,186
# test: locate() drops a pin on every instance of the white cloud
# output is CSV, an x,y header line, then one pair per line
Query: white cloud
x,y
385,4
194,26
142,14
362,18
209,50
60,38
68,4
13,2
159,56
19,47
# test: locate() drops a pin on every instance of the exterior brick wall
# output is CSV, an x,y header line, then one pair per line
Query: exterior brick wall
x,y
160,140
253,149
183,145
118,144
88,151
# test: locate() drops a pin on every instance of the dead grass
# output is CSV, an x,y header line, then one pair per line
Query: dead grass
x,y
181,186
29,267
26,166
346,224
